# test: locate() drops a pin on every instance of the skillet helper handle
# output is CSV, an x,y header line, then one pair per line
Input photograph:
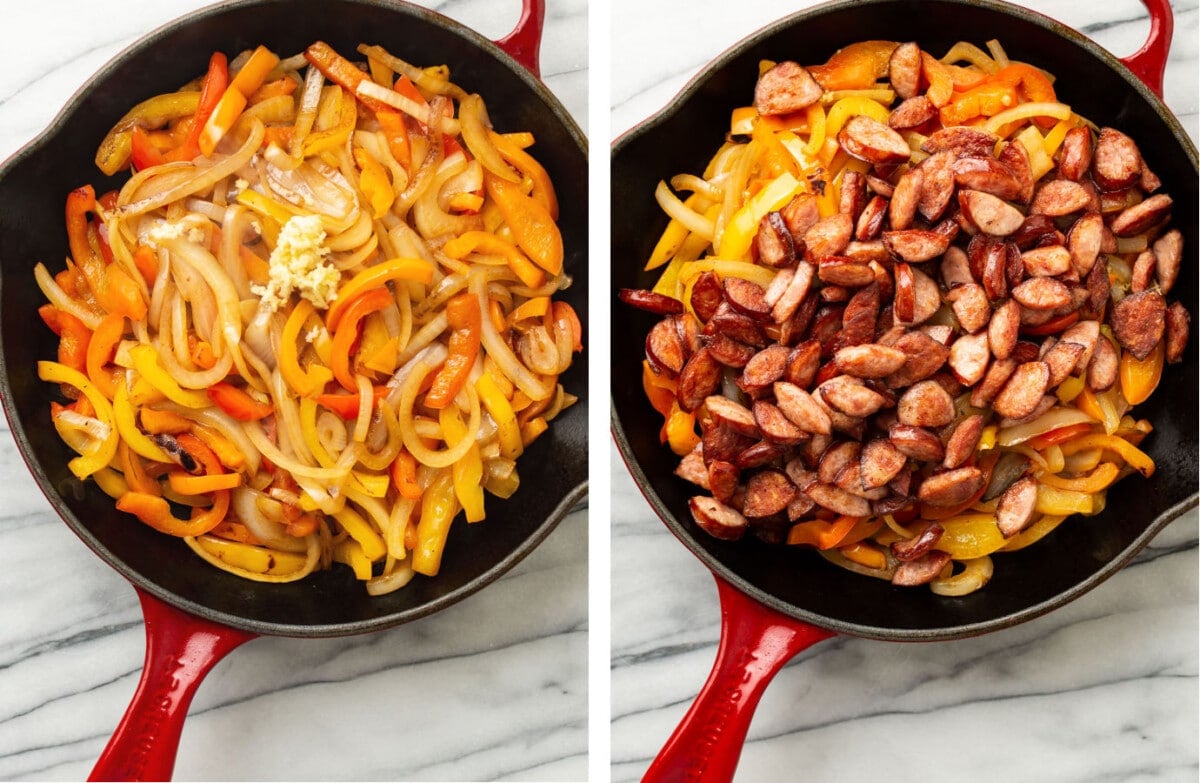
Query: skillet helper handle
x,y
756,642
180,650
1150,62
525,41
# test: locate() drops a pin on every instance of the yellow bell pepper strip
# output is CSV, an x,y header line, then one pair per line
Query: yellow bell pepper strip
x,y
669,243
113,153
508,432
969,536
1101,407
145,361
361,531
237,403
1096,481
467,473
374,183
333,137
273,89
255,71
1134,457
484,242
820,533
465,319
679,431
531,225
404,475
131,435
410,269
774,159
739,233
849,107
156,512
186,484
865,555
85,464
1051,500
308,382
100,352
543,188
349,552
854,67
346,334
1139,377
438,508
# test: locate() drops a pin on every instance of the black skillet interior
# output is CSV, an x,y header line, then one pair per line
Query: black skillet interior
x,y
33,188
799,583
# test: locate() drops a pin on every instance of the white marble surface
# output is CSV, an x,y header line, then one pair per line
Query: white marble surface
x,y
493,688
1104,689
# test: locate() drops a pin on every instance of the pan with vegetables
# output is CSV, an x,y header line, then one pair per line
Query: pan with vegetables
x,y
868,346
320,298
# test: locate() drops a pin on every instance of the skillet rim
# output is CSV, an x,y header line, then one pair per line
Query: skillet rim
x,y
572,497
686,536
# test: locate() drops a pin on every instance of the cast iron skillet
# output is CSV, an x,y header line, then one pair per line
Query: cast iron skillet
x,y
778,600
195,613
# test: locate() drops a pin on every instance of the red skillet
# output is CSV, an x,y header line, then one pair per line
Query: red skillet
x,y
777,601
194,613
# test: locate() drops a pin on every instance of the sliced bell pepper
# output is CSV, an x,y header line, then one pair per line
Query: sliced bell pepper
x,y
74,340
156,512
145,361
1053,326
142,150
987,100
374,183
340,71
465,319
531,225
854,67
85,464
508,432
1096,481
404,475
565,315
305,382
1133,456
346,405
347,333
1060,435
100,352
113,153
467,473
482,241
438,508
820,533
411,269
187,484
543,188
237,403
1139,377
395,131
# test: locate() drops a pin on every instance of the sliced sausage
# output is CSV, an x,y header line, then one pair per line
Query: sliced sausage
x,y
775,426
723,479
969,356
869,360
836,458
993,381
956,269
692,468
651,302
799,215
1085,333
962,441
909,549
970,305
852,195
732,414
937,185
795,293
785,88
962,141
1016,158
912,112
881,462
757,455
921,571
920,444
925,404
799,406
1035,230
870,221
850,396
721,443
828,236
773,244
858,319
1060,197
1004,328
847,272
1176,331
951,488
1015,510
838,500
1138,322
1062,360
707,295
746,297
904,69
768,492
802,364
665,349
988,175
1047,261
1141,216
730,352
905,199
925,357
1116,162
1023,390
915,245
764,368
1042,293
1085,240
872,141
727,322
1143,271
995,269
700,378
1103,368
991,215
1075,154
1168,250
1099,287
717,519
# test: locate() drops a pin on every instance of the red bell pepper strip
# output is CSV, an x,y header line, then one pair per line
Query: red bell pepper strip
x,y
142,150
238,403
404,475
1059,435
216,81
346,333
464,317
346,405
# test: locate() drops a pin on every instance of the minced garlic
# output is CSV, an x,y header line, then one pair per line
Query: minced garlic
x,y
298,264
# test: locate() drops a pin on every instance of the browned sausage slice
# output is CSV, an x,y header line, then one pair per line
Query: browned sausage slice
x,y
870,221
764,368
1177,328
1116,162
962,141
665,349
835,458
1085,333
969,358
746,297
904,69
925,404
872,141
701,376
651,302
707,295
1138,322
1013,155
989,175
758,455
1168,250
956,268
997,375
1143,271
991,215
1075,156
881,462
906,198
795,292
1103,368
799,406
730,352
1047,261
921,571
721,443
853,194
828,236
1023,391
850,396
1141,216
800,214
1084,240
768,492
1016,507
910,549
842,271
920,444
962,441
803,363
726,322
915,245
785,88
717,519
925,357
692,468
838,500
952,487
723,479
1042,293
937,186
776,427
732,414
1062,359
1004,328
912,112
773,242
869,360
970,305
1060,197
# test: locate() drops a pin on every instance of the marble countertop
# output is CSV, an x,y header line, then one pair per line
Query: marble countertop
x,y
1104,688
509,663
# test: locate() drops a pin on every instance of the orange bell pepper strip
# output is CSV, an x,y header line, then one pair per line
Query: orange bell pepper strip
x,y
660,390
395,131
1059,435
939,78
986,100
273,89
237,403
135,472
1053,326
404,475
340,71
821,534
374,277
146,261
123,296
465,318
186,484
1034,87
157,422
482,241
346,333
543,188
100,352
73,342
346,405
531,225
854,67
1139,377
216,81
156,512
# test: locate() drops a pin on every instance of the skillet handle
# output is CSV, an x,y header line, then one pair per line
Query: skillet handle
x,y
180,650
525,41
756,642
1150,62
